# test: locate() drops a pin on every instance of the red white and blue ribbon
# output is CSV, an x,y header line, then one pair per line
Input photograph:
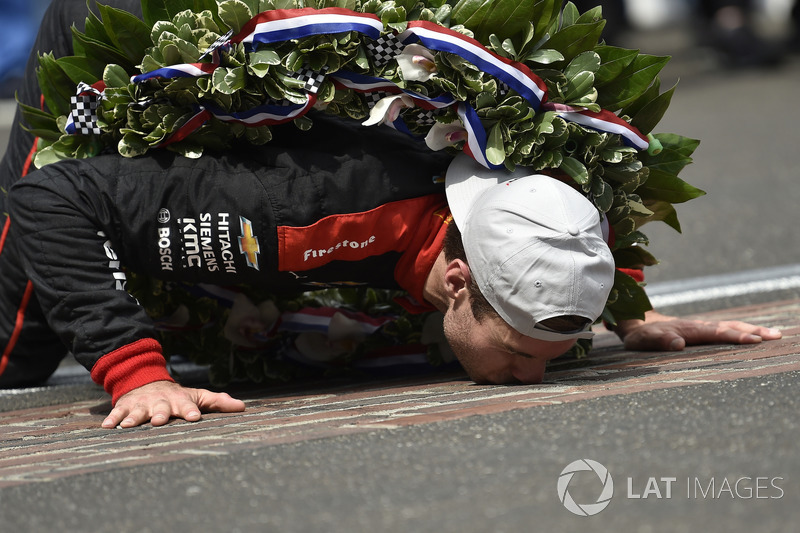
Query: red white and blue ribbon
x,y
286,24
476,144
266,115
603,121
184,70
369,84
280,25
319,319
514,74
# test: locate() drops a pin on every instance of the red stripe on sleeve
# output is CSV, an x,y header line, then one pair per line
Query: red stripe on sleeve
x,y
131,367
12,341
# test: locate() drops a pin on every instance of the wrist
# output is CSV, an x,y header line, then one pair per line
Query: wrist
x,y
130,367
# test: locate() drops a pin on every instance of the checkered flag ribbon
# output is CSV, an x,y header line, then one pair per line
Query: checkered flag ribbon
x,y
502,88
221,41
384,48
312,78
375,97
83,111
427,117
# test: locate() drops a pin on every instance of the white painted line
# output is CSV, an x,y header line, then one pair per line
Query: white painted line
x,y
707,288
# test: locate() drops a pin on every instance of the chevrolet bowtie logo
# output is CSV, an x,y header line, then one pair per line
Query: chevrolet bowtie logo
x,y
248,243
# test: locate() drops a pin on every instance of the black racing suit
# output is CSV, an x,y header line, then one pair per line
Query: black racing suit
x,y
345,208
339,203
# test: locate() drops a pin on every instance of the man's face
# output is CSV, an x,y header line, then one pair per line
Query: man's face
x,y
492,352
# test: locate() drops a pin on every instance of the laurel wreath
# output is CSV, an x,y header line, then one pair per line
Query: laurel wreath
x,y
560,45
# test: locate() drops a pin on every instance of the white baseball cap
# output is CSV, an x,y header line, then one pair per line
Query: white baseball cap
x,y
534,244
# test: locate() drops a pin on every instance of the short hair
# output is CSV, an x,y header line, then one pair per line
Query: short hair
x,y
480,306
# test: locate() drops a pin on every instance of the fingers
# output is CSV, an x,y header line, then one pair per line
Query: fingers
x,y
220,402
655,339
767,334
157,403
675,335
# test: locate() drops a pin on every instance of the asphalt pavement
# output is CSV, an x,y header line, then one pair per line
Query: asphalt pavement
x,y
705,439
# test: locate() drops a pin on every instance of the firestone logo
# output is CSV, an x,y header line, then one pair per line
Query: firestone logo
x,y
606,492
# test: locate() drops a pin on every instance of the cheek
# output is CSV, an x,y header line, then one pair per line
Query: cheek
x,y
458,337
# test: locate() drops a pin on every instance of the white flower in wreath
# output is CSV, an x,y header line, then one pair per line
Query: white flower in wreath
x,y
248,323
440,136
388,109
343,335
416,63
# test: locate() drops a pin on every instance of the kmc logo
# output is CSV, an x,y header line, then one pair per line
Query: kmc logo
x,y
586,509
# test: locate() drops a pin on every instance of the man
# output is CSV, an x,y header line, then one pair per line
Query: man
x,y
533,274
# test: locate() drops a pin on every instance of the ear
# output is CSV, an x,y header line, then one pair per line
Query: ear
x,y
457,278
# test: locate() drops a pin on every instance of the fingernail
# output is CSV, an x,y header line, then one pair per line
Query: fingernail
x,y
774,332
676,344
754,338
193,414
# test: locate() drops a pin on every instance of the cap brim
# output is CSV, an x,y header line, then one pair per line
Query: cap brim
x,y
555,336
466,180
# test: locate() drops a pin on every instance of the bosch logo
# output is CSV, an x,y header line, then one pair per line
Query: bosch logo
x,y
163,216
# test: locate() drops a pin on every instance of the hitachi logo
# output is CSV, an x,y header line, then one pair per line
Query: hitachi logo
x,y
308,254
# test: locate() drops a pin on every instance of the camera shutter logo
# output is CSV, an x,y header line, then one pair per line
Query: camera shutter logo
x,y
585,509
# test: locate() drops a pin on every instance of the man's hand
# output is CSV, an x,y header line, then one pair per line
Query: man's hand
x,y
159,401
660,332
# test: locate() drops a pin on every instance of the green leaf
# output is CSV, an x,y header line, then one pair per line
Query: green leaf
x,y
587,61
635,237
100,53
613,61
674,156
575,39
575,169
46,156
634,257
638,208
495,148
662,211
154,10
668,188
544,16
603,195
672,143
79,69
128,32
39,123
115,76
261,61
632,302
55,85
504,18
569,15
235,14
544,56
631,83
578,86
132,145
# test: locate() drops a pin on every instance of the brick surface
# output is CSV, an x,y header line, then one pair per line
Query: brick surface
x,y
47,443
